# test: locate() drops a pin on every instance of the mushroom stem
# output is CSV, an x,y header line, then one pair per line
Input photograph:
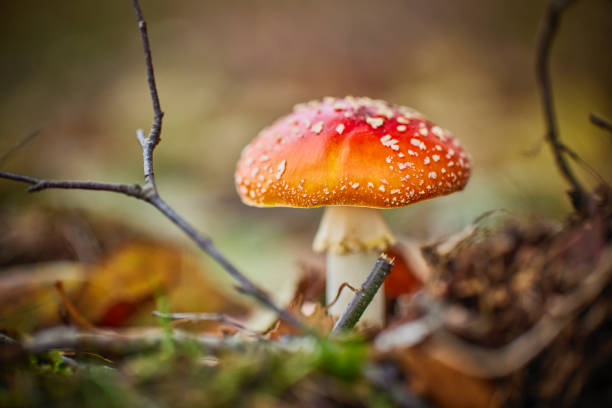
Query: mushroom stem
x,y
346,229
353,238
353,268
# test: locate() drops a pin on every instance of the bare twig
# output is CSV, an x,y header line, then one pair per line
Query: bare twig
x,y
136,340
364,295
581,162
87,353
148,192
7,340
20,143
41,184
601,122
148,144
209,317
548,31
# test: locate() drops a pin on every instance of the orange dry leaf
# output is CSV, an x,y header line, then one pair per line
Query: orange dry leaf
x,y
406,275
120,290
446,387
28,299
313,314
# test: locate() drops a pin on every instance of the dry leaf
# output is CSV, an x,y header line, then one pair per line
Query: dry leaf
x,y
28,299
409,269
121,289
446,387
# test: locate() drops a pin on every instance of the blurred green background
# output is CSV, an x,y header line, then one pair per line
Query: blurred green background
x,y
74,70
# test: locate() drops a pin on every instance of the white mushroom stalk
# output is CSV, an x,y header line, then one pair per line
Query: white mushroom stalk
x,y
353,238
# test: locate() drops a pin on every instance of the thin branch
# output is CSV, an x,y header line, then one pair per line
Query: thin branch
x,y
548,31
38,184
580,161
205,243
208,317
364,295
136,340
601,122
7,340
149,144
148,192
20,143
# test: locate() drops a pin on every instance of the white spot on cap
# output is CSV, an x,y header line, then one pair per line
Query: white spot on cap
x,y
402,166
426,161
401,154
281,169
340,128
432,175
435,157
249,161
401,128
355,185
387,141
382,188
436,130
388,159
254,172
317,127
264,157
424,131
402,119
371,185
375,122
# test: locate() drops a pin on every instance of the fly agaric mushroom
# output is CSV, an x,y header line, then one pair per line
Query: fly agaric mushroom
x,y
355,156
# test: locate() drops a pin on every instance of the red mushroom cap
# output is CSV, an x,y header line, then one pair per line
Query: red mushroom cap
x,y
350,151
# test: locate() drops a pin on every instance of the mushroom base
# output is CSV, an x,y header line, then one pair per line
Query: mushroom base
x,y
353,268
346,229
